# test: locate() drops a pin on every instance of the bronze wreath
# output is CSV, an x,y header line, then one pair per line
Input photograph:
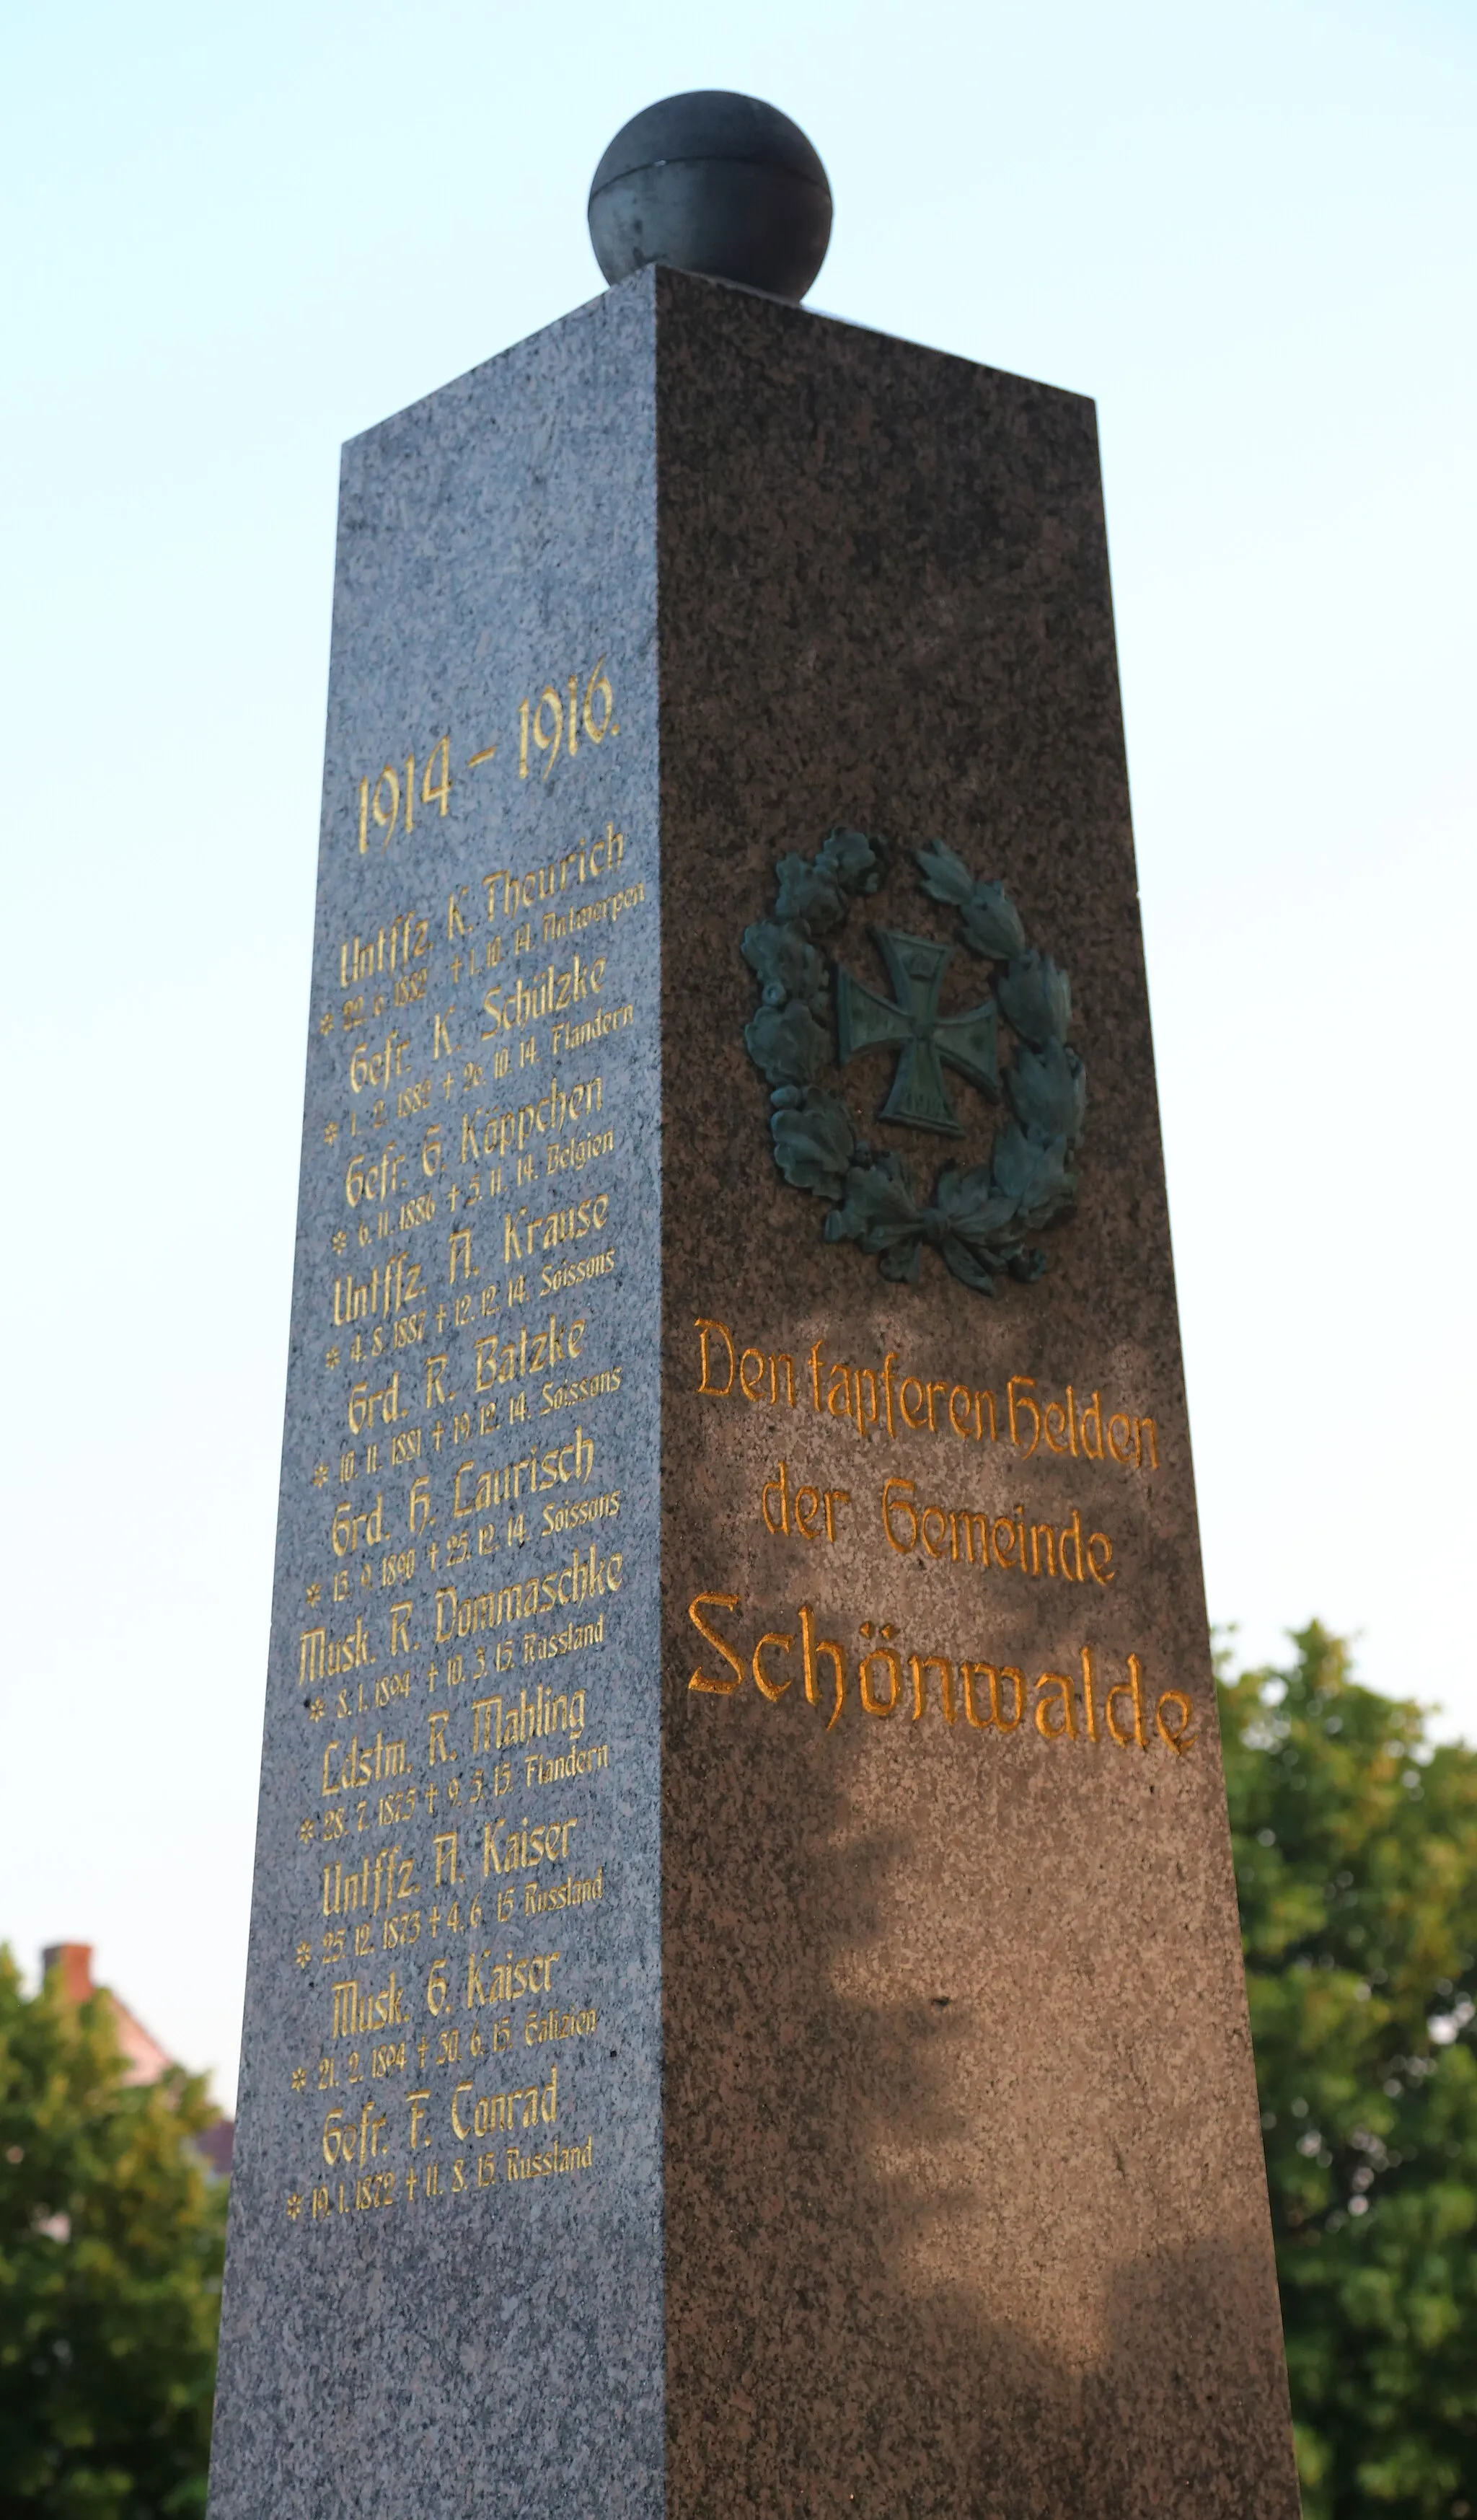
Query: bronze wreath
x,y
979,1221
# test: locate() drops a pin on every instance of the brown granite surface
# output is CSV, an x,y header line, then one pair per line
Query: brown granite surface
x,y
964,2210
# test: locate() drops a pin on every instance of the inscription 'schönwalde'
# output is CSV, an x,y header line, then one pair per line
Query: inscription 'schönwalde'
x,y
1064,1706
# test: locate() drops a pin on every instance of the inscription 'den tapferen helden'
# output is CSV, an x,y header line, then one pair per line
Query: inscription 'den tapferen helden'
x,y
470,1558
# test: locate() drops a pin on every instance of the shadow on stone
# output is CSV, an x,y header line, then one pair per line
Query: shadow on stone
x,y
835,2343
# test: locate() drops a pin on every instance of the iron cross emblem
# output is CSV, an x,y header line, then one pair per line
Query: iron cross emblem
x,y
913,1025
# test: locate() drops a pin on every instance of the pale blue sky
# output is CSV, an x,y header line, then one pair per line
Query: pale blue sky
x,y
232,240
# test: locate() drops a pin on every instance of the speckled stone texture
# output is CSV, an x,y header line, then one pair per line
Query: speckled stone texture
x,y
904,2158
483,2345
964,2209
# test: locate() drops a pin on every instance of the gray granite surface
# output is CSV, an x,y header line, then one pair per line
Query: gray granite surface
x,y
884,2138
492,2345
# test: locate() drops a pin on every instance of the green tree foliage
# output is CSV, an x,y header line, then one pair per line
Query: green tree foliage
x,y
111,2239
1356,1852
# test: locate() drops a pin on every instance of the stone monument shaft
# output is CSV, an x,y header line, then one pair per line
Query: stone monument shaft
x,y
744,2009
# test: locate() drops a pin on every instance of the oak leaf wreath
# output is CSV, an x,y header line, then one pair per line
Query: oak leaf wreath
x,y
980,1220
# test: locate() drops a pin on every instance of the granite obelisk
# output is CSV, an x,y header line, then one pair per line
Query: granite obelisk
x,y
744,2008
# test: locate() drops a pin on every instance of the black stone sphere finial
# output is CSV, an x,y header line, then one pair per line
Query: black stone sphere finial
x,y
715,183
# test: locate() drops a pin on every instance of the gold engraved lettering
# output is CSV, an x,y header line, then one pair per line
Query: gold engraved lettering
x,y
1138,1442
349,1532
1056,1712
402,941
1133,1690
321,1656
1088,1704
811,1651
881,1663
506,1980
347,2142
511,1006
802,1509
356,2013
508,894
886,1403
504,1359
566,1037
362,1766
972,1672
525,1235
774,1689
966,1535
550,723
599,684
1178,1735
993,1695
610,907
523,1849
557,2158
440,792
584,1577
919,1665
700,1680
1021,1406
719,1390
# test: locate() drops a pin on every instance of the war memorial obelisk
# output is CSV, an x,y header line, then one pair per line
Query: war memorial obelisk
x,y
744,2011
